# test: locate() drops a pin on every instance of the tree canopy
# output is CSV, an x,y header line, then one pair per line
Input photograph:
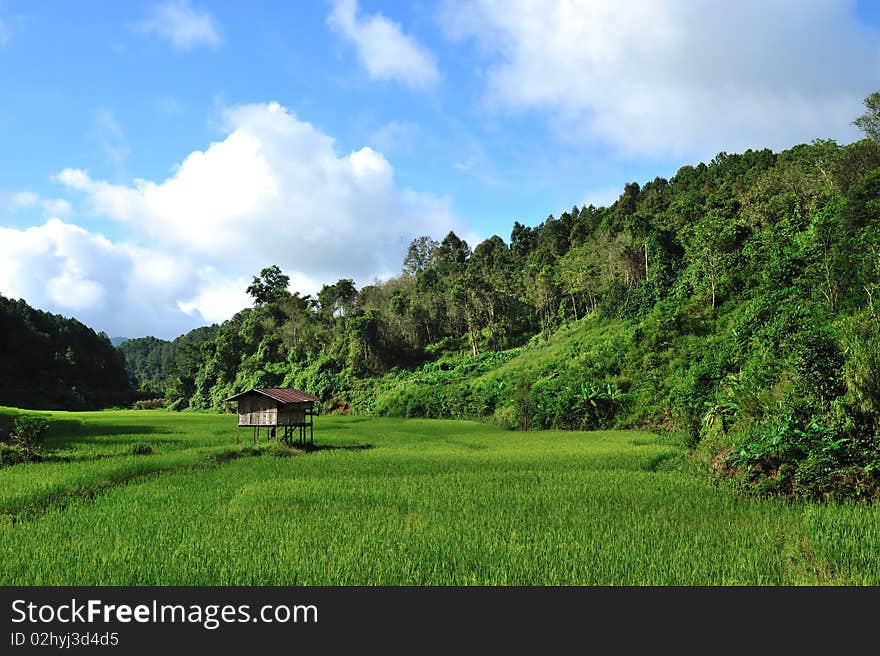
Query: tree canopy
x,y
270,286
869,122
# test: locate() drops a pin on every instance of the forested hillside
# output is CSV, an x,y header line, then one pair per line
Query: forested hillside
x,y
49,361
152,362
736,302
149,362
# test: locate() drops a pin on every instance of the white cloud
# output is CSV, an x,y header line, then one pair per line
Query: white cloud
x,y
70,291
382,47
185,27
273,191
670,77
217,298
25,200
115,287
74,178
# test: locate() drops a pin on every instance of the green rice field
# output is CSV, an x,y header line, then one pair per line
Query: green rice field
x,y
400,502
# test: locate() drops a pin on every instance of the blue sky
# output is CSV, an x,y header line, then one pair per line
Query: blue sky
x,y
155,155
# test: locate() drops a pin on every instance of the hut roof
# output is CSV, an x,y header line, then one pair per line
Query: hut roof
x,y
280,394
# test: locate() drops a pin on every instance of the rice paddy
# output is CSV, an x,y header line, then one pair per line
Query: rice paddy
x,y
401,502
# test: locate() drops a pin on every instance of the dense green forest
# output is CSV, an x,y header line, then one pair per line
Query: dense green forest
x,y
49,361
152,362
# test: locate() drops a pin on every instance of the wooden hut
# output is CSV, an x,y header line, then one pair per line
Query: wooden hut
x,y
281,410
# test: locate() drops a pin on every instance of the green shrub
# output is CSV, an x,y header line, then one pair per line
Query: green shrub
x,y
27,432
523,404
21,443
811,460
508,417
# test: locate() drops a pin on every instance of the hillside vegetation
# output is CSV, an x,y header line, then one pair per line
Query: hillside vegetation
x,y
736,303
49,361
151,362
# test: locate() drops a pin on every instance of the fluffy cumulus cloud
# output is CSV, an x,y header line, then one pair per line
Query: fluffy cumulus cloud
x,y
382,47
676,77
274,190
115,287
185,27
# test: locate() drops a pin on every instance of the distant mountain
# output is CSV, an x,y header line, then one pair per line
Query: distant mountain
x,y
51,361
118,341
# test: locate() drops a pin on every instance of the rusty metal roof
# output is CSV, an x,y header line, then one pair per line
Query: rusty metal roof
x,y
280,394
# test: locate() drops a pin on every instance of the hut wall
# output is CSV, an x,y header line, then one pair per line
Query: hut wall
x,y
257,410
292,415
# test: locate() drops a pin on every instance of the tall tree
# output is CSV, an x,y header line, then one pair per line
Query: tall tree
x,y
338,299
422,253
270,286
453,252
869,122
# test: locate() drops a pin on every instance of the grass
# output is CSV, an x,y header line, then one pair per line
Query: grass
x,y
87,452
431,503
